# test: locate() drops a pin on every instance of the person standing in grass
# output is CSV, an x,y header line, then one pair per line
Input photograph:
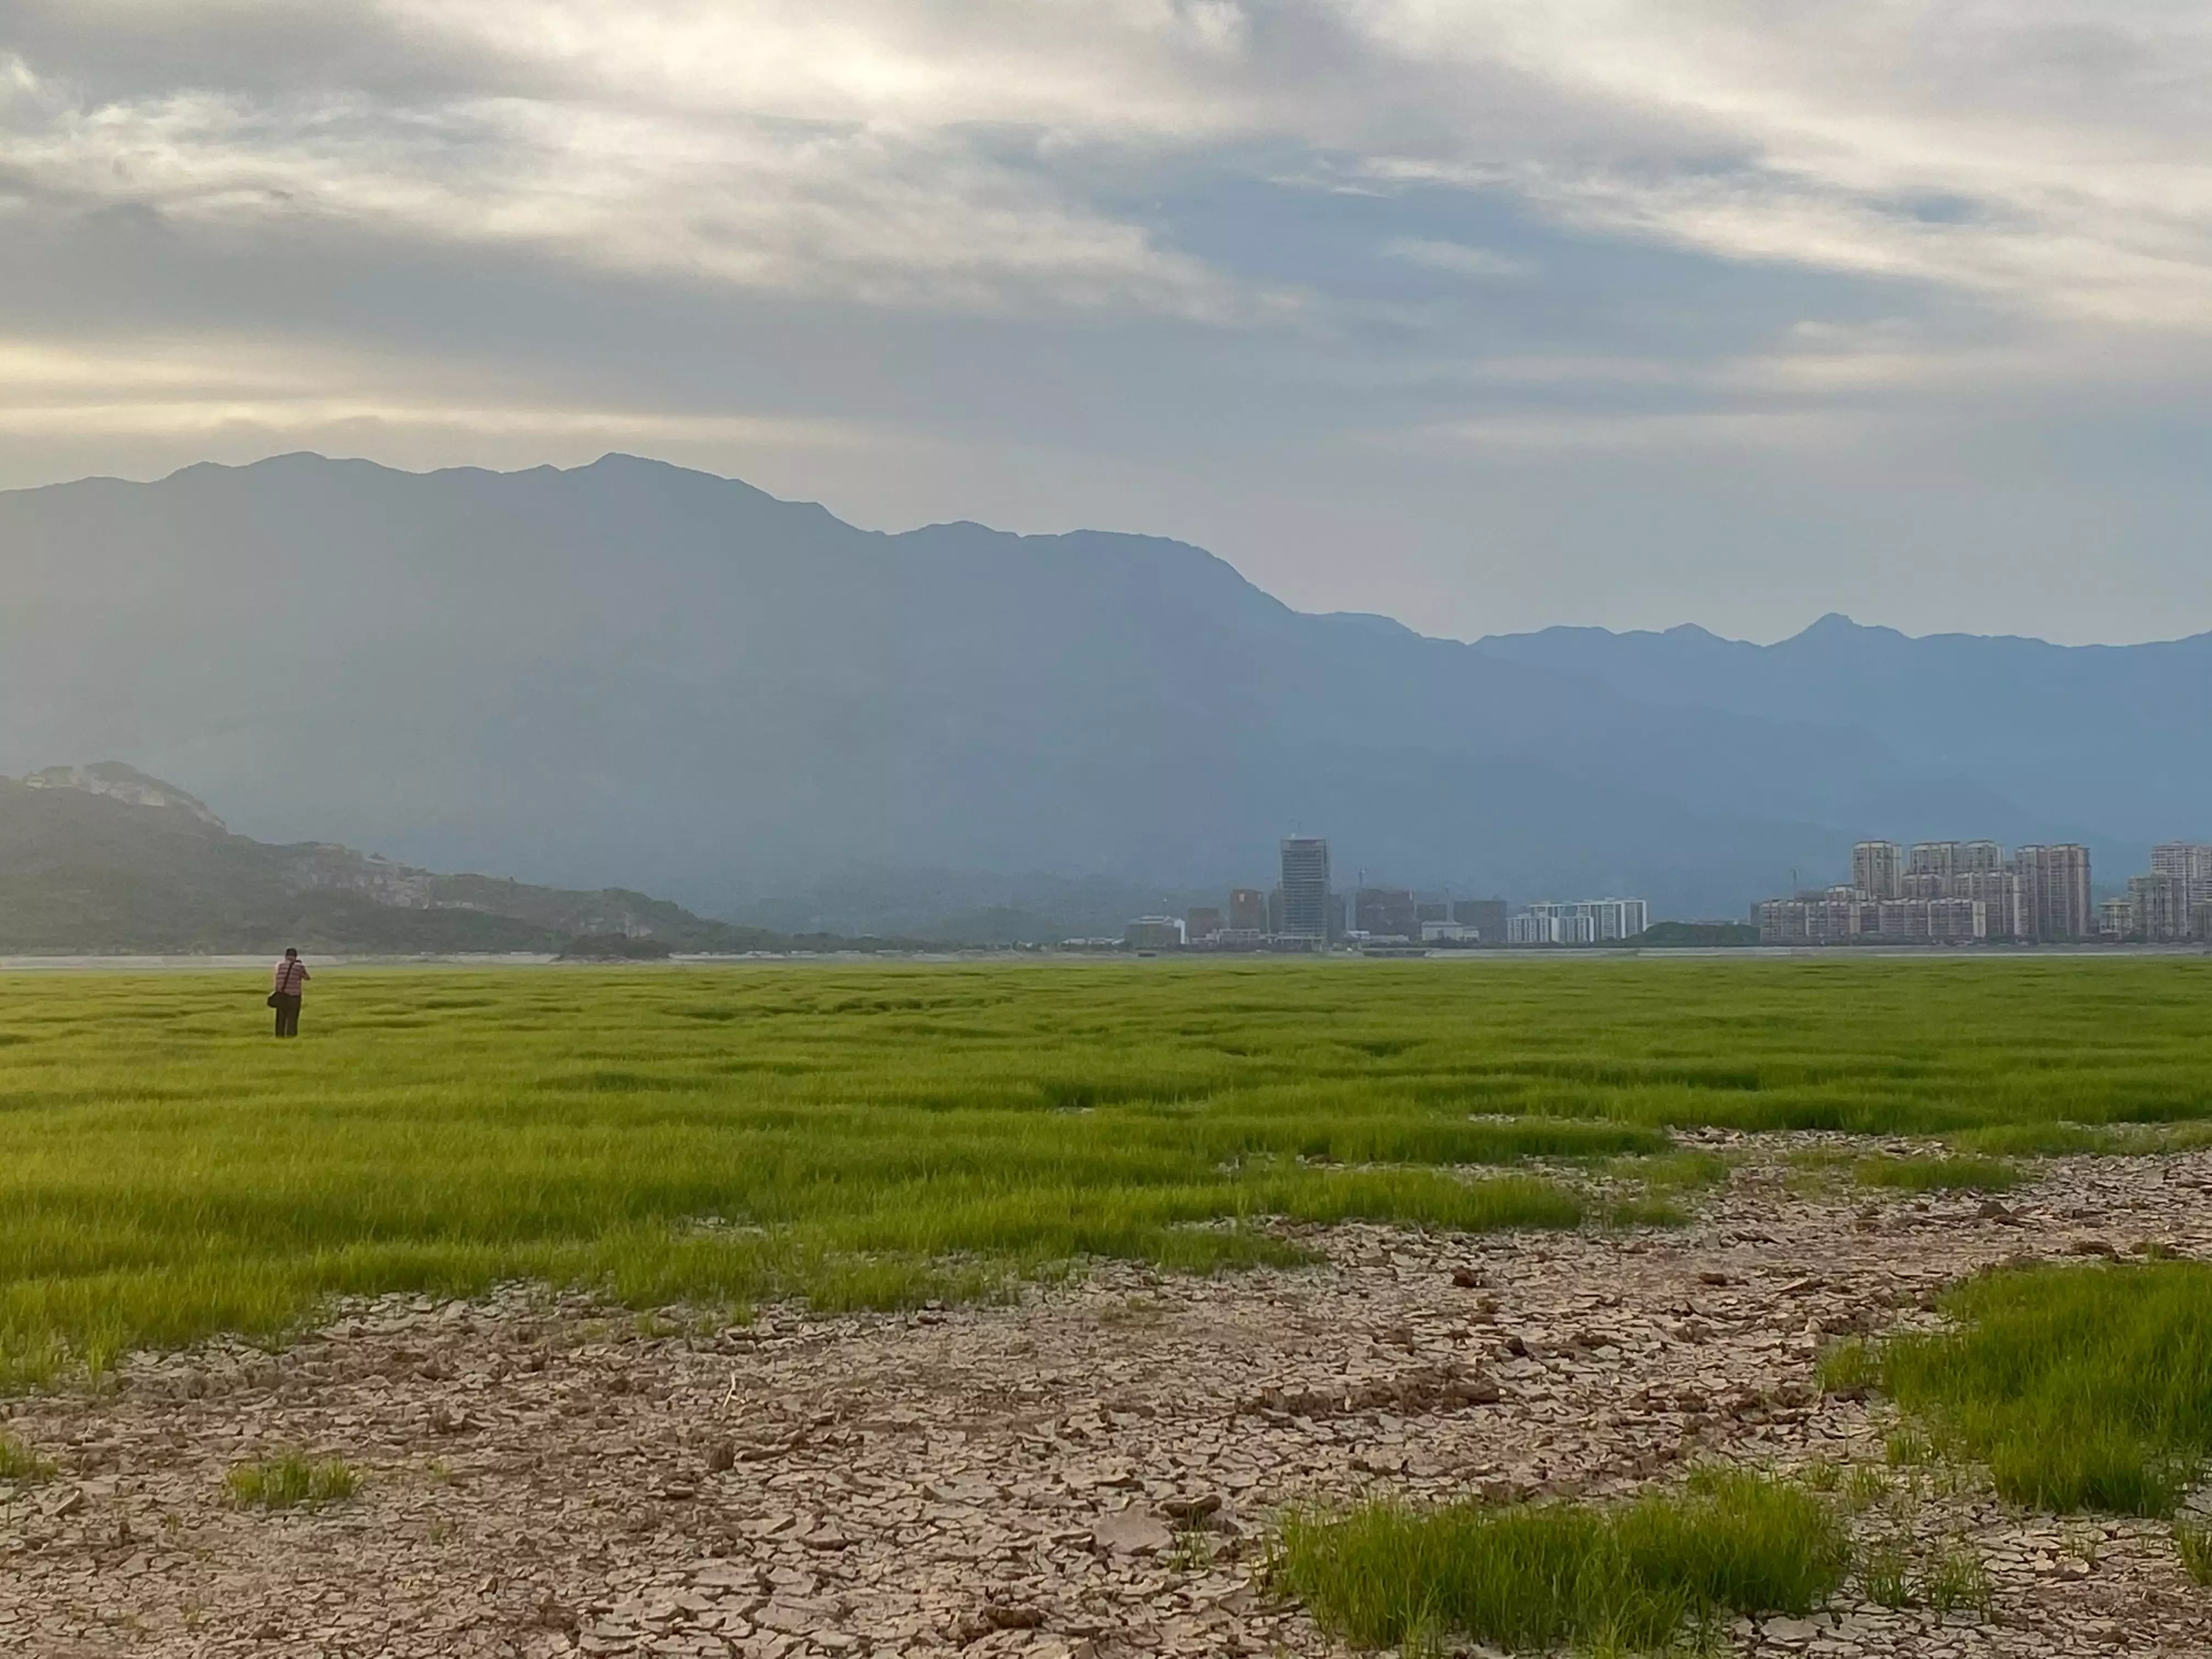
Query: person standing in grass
x,y
291,980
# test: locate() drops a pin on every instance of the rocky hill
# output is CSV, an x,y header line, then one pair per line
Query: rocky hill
x,y
104,858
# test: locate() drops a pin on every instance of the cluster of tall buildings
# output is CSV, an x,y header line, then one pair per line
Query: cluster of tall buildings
x,y
2171,904
1957,892
1304,911
1942,892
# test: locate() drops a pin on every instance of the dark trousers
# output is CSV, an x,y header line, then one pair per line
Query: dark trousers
x,y
287,1016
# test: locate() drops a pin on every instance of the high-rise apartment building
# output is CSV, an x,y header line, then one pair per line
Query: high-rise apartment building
x,y
1980,857
2191,863
1996,889
1306,895
1590,921
1616,918
2054,893
1247,910
1939,858
1547,923
2159,908
1878,869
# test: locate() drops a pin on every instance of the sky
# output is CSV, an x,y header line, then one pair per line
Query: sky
x,y
1487,316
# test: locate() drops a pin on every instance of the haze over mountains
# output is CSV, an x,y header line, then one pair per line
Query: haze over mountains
x,y
630,675
103,859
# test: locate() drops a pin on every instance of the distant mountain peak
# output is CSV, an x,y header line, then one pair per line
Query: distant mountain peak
x,y
124,783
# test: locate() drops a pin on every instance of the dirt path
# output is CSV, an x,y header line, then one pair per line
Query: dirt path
x,y
1089,1474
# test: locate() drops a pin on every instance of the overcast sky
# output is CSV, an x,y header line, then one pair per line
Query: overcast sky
x,y
1485,315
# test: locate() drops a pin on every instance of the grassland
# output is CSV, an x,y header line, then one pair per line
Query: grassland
x,y
1633,1577
2078,1387
868,1136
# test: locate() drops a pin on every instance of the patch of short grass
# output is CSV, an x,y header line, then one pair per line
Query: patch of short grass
x,y
2192,1543
1678,1172
2081,1388
1657,1185
1850,1369
2080,1139
1895,1571
291,1480
1938,1175
19,1462
1632,1577
1645,1212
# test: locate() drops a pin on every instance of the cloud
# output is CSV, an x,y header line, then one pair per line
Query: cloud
x,y
2048,156
1127,258
1457,258
878,215
172,388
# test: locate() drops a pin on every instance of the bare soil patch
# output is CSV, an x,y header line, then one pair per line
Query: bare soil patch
x,y
1091,1472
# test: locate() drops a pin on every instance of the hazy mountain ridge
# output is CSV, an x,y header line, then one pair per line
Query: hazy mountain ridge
x,y
631,673
2102,737
119,862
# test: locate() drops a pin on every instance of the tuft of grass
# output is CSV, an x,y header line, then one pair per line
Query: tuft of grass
x,y
1632,1577
291,1480
1681,1171
1865,1485
1850,1369
1938,1175
1894,1574
1904,1449
1885,1572
2192,1542
1645,1213
2080,1387
19,1462
1956,1581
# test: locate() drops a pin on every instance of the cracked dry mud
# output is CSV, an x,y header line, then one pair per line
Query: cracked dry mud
x,y
1090,1473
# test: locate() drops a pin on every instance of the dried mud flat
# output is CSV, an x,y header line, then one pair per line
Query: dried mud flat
x,y
1090,1473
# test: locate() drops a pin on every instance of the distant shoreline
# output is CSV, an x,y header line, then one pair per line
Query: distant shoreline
x,y
232,962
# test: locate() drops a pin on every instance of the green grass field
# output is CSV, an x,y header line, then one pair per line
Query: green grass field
x,y
2079,1388
1632,1577
869,1135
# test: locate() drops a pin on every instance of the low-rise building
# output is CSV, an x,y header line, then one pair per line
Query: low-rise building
x,y
1153,934
1381,913
1247,910
1486,916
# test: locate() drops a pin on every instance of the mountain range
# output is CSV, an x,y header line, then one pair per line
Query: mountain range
x,y
628,674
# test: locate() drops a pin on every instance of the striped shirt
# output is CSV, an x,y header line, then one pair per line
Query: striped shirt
x,y
291,975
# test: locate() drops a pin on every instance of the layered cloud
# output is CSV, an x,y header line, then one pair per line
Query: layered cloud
x,y
2058,156
1469,224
